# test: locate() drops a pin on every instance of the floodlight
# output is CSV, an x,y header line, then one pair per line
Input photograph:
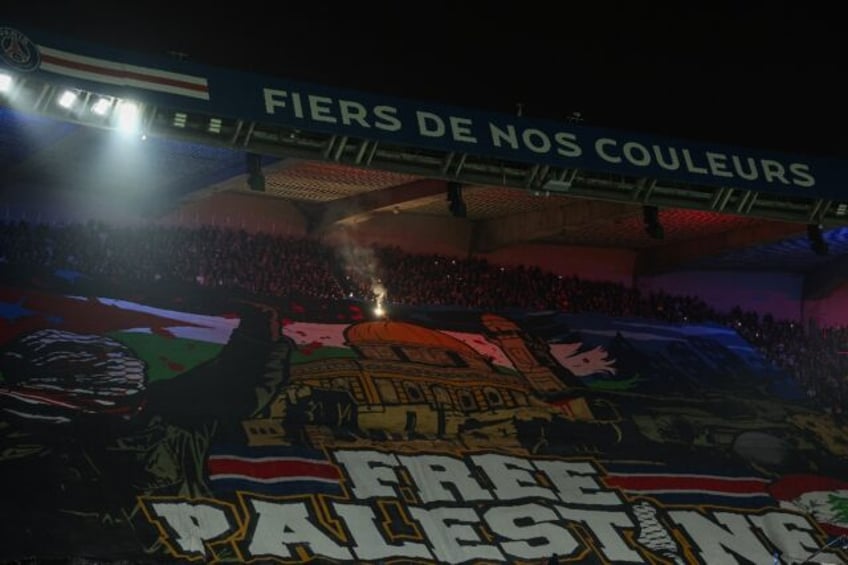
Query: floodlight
x,y
5,83
68,99
128,116
101,106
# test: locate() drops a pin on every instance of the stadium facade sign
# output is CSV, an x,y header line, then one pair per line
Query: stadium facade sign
x,y
309,107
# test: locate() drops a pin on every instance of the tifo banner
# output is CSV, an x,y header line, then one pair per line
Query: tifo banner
x,y
223,93
168,427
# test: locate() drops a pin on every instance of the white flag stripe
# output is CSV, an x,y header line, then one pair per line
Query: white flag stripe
x,y
33,399
123,67
226,325
58,419
109,72
271,480
121,81
207,335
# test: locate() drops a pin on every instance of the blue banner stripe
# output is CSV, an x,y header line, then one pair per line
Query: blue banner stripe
x,y
284,488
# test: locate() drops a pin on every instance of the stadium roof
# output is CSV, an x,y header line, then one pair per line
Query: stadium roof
x,y
44,155
691,78
767,76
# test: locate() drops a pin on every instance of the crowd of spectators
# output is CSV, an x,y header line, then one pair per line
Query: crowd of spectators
x,y
279,266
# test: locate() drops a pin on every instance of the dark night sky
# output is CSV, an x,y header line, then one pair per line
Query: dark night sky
x,y
762,76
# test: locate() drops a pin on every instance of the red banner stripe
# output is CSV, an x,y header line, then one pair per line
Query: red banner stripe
x,y
267,469
120,73
683,483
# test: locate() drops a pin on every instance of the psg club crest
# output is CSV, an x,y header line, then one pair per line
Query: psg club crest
x,y
17,51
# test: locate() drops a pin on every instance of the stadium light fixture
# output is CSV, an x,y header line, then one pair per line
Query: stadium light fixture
x,y
128,116
101,106
456,204
817,241
651,219
842,209
67,99
5,83
255,176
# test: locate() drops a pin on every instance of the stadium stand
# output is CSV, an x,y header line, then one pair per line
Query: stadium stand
x,y
264,264
178,391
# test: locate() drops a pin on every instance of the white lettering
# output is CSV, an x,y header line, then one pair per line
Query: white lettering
x,y
370,544
724,541
388,115
690,165
604,526
297,104
637,154
461,129
567,143
432,473
750,174
353,112
803,177
508,135
575,482
600,148
320,109
429,124
718,164
673,162
370,472
511,476
280,526
451,535
537,540
194,524
274,99
536,140
790,533
773,170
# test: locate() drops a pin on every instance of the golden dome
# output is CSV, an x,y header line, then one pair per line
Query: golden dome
x,y
498,323
403,334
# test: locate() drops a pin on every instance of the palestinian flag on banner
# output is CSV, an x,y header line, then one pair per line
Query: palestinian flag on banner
x,y
170,342
687,486
824,498
275,470
61,355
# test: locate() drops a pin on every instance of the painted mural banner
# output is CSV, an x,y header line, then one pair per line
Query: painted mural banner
x,y
162,425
